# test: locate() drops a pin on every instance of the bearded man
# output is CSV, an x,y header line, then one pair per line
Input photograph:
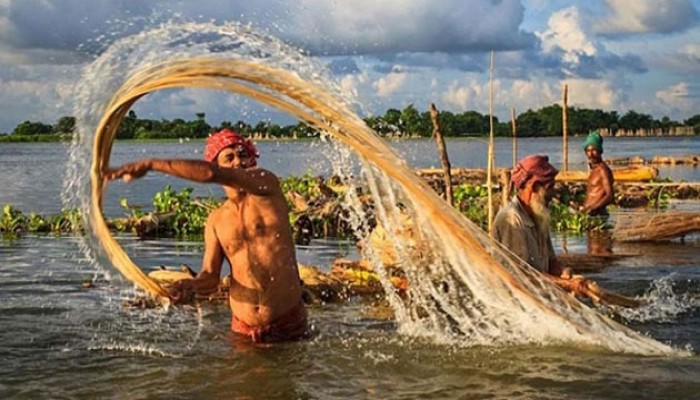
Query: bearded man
x,y
523,224
250,230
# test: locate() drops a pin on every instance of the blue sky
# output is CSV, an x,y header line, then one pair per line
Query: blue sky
x,y
613,54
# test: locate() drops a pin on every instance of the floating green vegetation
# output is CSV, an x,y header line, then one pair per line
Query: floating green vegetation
x,y
175,214
472,201
14,223
306,185
566,219
316,211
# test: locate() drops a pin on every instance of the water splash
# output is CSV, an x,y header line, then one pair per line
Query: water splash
x,y
662,304
101,79
134,348
464,288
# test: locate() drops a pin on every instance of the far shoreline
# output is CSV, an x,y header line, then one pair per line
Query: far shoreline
x,y
50,138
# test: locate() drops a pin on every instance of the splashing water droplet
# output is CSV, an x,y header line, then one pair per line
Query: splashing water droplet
x,y
480,305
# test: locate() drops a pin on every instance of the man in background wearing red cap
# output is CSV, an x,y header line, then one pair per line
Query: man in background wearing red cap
x,y
523,224
250,230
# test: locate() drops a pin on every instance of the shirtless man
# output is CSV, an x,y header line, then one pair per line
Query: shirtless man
x,y
599,192
250,229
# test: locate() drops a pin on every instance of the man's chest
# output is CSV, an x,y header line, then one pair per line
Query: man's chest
x,y
240,224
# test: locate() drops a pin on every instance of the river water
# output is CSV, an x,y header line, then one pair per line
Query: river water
x,y
60,340
32,174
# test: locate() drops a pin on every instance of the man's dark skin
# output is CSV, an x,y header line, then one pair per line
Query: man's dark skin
x,y
251,230
599,192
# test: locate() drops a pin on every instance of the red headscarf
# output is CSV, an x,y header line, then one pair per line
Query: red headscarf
x,y
536,168
227,138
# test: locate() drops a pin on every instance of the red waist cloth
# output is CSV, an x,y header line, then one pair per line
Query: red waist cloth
x,y
292,325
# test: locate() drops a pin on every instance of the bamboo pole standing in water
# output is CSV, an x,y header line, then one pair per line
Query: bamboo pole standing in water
x,y
490,166
565,130
443,153
515,136
506,189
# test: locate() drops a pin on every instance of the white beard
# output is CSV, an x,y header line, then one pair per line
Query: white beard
x,y
540,211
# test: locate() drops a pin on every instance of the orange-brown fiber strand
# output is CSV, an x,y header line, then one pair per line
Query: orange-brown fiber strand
x,y
312,105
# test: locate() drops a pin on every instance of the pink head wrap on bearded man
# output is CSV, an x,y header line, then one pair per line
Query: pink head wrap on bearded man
x,y
227,138
536,168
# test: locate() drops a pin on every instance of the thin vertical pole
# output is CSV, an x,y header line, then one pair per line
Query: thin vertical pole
x,y
515,136
490,167
565,130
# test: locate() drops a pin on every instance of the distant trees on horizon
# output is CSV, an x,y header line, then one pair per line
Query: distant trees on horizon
x,y
409,122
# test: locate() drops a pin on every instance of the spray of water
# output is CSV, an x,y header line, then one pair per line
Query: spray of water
x,y
662,304
464,288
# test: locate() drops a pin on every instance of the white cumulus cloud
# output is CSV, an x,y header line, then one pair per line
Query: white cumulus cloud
x,y
648,16
23,89
474,95
585,93
565,32
676,97
391,26
592,93
319,26
534,94
579,53
390,83
457,97
685,59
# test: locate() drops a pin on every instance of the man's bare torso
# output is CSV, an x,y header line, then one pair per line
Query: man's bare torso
x,y
599,178
255,236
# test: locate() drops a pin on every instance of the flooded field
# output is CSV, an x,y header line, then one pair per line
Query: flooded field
x,y
65,338
60,340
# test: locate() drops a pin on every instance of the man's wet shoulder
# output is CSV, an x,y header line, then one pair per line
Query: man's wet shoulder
x,y
218,213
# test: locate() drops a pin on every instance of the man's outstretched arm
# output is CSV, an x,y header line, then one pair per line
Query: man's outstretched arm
x,y
255,181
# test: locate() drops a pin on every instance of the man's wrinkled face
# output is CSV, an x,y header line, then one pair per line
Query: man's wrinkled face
x,y
544,192
236,156
539,204
592,154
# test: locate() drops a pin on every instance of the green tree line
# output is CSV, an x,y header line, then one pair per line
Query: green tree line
x,y
409,122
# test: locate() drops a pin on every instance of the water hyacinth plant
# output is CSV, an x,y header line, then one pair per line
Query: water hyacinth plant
x,y
14,223
316,211
471,201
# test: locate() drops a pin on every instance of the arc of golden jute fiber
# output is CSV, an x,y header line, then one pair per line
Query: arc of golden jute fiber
x,y
342,124
102,149
104,138
199,76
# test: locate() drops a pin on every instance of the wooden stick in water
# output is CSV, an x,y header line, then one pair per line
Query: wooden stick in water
x,y
565,130
515,136
444,159
504,180
491,163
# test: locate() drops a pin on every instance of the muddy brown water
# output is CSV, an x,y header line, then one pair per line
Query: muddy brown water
x,y
59,340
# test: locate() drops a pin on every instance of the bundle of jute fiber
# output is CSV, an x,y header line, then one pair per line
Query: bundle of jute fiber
x,y
639,227
485,289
